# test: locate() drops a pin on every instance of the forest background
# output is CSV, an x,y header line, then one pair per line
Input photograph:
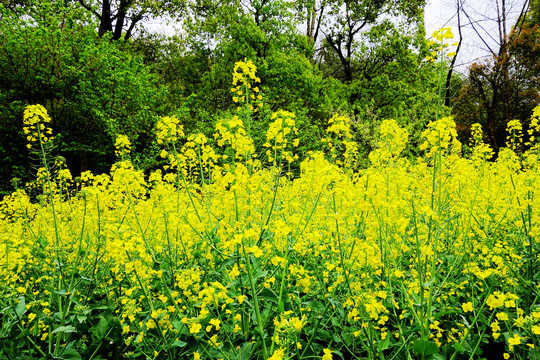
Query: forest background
x,y
100,74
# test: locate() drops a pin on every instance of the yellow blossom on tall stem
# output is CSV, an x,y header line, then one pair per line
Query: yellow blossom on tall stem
x,y
35,121
169,130
122,145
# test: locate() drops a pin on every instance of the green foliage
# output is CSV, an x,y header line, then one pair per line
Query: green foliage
x,y
100,89
345,22
391,81
93,90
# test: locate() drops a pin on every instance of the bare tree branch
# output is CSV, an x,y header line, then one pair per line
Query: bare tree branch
x,y
478,33
89,8
459,4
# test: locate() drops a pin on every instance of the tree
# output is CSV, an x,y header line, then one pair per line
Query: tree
x,y
92,89
220,34
505,86
117,17
342,22
120,17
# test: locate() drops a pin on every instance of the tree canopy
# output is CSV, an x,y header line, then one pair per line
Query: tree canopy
x,y
100,74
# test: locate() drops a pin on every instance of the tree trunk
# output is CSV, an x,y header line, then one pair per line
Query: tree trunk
x,y
105,23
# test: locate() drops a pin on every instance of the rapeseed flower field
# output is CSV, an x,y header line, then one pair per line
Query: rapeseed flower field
x,y
227,254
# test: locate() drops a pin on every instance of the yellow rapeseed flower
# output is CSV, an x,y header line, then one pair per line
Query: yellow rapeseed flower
x,y
327,354
278,354
467,307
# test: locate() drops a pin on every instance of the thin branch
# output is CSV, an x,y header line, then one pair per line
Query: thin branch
x,y
319,23
134,20
478,33
89,8
522,16
453,62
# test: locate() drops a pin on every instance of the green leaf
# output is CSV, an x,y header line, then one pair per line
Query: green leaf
x,y
324,335
20,309
438,356
459,348
69,353
245,353
425,348
315,306
268,294
178,343
177,324
65,329
337,353
383,345
100,330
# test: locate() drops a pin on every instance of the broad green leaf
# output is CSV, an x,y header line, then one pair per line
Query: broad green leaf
x,y
100,330
178,343
20,309
425,348
69,353
65,329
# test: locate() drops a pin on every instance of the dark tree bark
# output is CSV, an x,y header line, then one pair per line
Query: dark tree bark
x,y
119,21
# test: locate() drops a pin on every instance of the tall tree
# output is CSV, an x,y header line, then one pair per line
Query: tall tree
x,y
92,89
120,17
341,23
505,86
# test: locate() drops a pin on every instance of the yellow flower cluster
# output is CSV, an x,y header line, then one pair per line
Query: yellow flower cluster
x,y
35,121
514,139
245,90
233,133
122,146
480,150
439,44
340,142
443,33
169,130
440,135
391,142
196,155
278,136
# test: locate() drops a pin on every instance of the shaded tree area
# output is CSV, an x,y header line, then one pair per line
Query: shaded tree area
x,y
383,75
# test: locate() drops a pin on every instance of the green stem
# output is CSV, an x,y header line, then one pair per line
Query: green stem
x,y
317,324
255,302
281,305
